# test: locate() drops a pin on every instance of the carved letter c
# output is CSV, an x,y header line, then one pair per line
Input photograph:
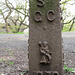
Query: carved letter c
x,y
38,16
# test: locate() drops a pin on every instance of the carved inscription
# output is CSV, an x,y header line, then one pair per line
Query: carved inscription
x,y
45,73
38,73
45,53
55,73
40,3
51,15
38,16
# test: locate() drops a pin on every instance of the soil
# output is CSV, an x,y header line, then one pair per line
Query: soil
x,y
69,50
14,53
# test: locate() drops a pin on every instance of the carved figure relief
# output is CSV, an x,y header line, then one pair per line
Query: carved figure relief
x,y
40,3
38,16
45,53
51,15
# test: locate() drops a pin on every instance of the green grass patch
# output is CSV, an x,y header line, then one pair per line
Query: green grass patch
x,y
67,27
16,33
2,60
0,74
68,69
19,33
13,33
11,63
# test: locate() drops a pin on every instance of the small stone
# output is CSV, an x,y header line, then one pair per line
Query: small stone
x,y
73,51
13,73
8,70
7,74
3,65
19,69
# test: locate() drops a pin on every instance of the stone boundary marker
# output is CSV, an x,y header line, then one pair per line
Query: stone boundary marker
x,y
45,44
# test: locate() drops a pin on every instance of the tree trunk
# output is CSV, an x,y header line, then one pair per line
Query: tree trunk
x,y
7,28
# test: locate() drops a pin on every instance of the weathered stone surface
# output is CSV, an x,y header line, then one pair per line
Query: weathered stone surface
x,y
45,26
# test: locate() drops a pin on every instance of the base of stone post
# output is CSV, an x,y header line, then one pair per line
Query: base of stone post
x,y
45,73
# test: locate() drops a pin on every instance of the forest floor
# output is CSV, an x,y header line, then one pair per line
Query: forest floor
x,y
14,53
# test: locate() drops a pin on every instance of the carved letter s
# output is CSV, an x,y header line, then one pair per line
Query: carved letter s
x,y
41,3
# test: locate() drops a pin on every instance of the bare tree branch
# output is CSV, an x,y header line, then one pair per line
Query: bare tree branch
x,y
7,9
70,20
71,25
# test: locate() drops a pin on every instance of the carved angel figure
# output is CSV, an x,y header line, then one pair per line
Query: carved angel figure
x,y
45,53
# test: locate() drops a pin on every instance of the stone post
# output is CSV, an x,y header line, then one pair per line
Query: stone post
x,y
45,44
